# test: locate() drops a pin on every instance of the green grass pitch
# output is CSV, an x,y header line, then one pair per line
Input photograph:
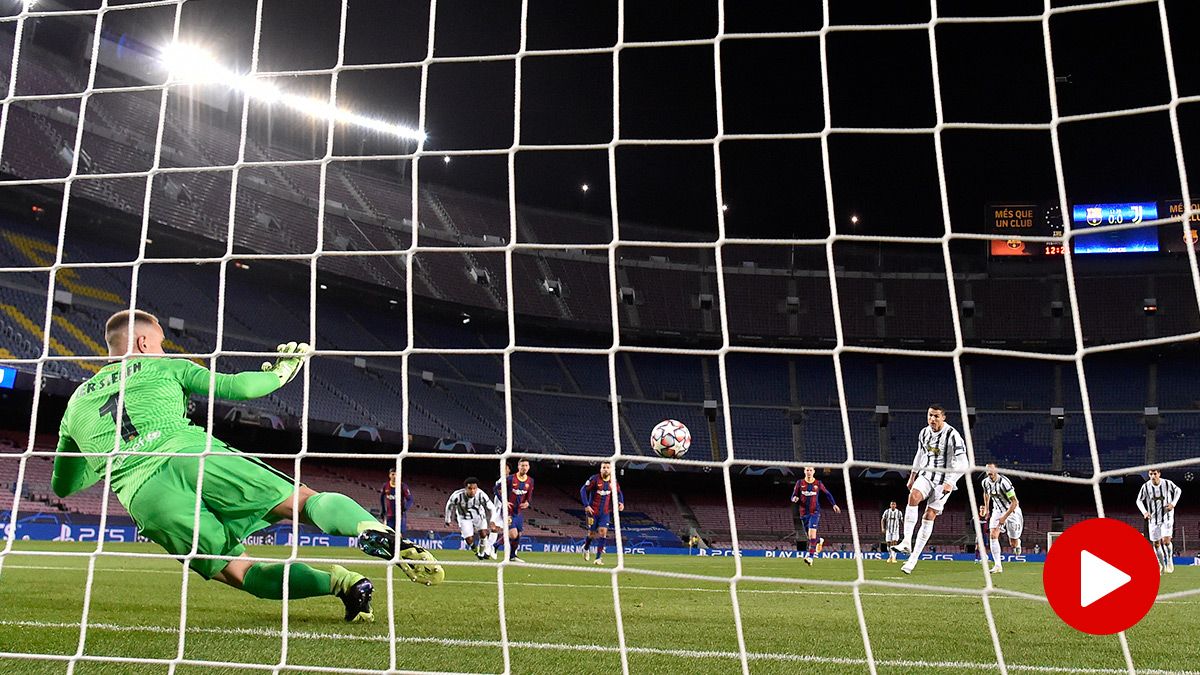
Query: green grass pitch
x,y
562,621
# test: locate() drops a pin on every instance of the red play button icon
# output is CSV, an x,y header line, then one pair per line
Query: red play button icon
x,y
1101,576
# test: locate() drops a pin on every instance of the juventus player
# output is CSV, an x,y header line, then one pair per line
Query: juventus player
x,y
1003,510
1156,500
474,510
890,526
940,461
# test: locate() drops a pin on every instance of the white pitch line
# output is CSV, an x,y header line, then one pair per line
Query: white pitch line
x,y
631,587
551,646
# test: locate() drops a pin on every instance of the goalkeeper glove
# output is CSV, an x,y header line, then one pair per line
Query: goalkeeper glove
x,y
291,359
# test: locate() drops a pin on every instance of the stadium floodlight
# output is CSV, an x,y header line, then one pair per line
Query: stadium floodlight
x,y
190,64
585,187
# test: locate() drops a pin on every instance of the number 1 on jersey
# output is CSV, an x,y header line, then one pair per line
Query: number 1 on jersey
x,y
128,431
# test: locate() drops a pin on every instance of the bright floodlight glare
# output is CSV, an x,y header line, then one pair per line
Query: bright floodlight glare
x,y
584,187
446,159
189,64
853,220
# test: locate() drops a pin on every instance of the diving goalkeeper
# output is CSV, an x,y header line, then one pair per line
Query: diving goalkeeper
x,y
239,494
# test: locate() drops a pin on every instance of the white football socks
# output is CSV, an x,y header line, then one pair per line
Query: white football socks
x,y
922,539
910,522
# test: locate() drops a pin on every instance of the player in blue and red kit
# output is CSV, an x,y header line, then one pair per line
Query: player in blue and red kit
x,y
389,494
806,497
596,495
519,489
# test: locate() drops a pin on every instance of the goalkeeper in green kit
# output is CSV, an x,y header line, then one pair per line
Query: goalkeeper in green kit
x,y
239,494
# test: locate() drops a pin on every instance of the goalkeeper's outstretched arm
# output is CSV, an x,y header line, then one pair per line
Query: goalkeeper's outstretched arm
x,y
249,384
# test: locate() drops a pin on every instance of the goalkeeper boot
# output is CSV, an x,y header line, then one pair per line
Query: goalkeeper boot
x,y
903,547
417,564
355,590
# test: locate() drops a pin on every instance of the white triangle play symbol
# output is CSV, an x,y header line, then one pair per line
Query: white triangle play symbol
x,y
1097,578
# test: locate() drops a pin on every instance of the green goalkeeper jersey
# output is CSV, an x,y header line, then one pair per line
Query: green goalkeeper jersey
x,y
153,419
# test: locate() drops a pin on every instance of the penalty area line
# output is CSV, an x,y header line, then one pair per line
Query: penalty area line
x,y
550,646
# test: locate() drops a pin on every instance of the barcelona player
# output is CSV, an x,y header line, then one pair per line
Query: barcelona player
x,y
518,488
596,495
806,496
395,491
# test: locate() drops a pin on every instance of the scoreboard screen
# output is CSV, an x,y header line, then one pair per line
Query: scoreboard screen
x,y
1031,220
1172,239
1016,222
1137,240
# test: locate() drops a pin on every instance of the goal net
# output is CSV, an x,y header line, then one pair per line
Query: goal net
x,y
449,203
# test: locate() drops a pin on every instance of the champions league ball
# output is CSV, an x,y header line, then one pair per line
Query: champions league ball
x,y
670,438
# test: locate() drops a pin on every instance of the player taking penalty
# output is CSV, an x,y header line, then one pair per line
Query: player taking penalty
x,y
805,495
239,494
596,495
940,461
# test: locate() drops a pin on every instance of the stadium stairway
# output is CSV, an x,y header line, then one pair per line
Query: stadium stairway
x,y
35,333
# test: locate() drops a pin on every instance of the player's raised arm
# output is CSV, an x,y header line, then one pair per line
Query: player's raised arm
x,y
71,471
245,385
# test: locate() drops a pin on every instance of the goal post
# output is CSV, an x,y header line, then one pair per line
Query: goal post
x,y
722,464
1050,537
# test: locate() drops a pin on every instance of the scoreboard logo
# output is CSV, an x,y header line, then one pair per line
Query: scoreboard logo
x,y
1014,220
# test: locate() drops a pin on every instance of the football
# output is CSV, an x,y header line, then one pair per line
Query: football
x,y
670,438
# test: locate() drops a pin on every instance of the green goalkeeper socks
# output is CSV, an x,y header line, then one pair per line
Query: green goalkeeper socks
x,y
336,513
265,580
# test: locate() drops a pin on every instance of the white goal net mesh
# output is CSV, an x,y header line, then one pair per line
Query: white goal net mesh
x,y
622,571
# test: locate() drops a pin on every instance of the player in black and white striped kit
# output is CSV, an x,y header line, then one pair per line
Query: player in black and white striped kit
x,y
1003,511
1157,500
889,524
473,509
941,460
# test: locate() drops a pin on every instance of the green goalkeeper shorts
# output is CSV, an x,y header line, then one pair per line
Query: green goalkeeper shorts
x,y
237,496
